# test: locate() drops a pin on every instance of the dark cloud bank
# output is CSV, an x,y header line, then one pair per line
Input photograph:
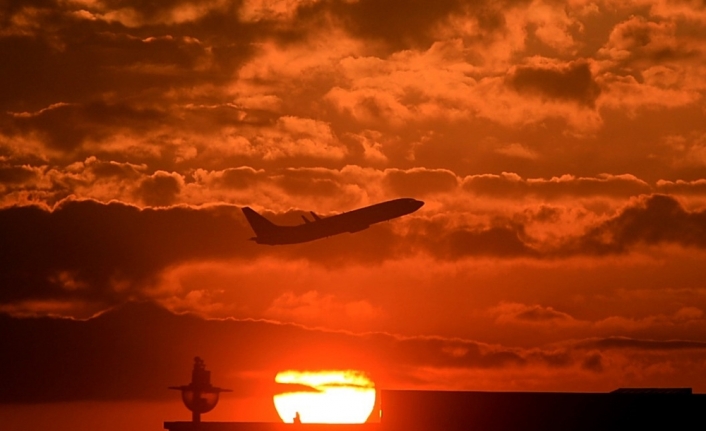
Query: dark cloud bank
x,y
85,249
105,254
138,349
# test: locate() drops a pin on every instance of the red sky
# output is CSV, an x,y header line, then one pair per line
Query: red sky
x,y
560,149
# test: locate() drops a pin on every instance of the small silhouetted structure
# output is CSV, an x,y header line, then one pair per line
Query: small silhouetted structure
x,y
199,396
297,418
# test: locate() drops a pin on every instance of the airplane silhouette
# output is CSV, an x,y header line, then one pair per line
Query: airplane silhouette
x,y
353,221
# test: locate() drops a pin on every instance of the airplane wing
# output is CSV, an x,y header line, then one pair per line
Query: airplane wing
x,y
358,228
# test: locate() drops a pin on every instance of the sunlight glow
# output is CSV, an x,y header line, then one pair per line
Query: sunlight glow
x,y
335,397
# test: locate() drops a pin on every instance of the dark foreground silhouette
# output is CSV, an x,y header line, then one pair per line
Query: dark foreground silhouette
x,y
352,221
624,409
635,409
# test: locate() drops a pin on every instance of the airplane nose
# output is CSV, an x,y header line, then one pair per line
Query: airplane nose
x,y
417,204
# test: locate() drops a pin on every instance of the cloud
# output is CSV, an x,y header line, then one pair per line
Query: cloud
x,y
79,359
101,343
517,150
314,309
302,136
309,182
530,314
641,345
66,127
10,175
183,86
654,220
322,189
136,14
638,38
688,150
160,189
593,362
553,25
92,178
232,178
420,182
680,9
369,107
697,187
572,82
500,241
114,250
649,66
80,74
259,10
399,24
373,151
512,185
684,317
626,92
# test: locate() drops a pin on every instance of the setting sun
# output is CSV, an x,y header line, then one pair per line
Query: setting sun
x,y
335,396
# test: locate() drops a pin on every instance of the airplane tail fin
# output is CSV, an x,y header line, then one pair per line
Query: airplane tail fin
x,y
259,224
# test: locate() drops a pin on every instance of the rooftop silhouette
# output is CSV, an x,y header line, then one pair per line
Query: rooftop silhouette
x,y
626,408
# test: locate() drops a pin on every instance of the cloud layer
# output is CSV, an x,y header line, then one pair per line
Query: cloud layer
x,y
110,358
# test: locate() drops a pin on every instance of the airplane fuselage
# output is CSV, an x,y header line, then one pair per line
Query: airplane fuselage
x,y
352,221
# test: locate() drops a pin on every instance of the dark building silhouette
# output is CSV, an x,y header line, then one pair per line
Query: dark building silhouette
x,y
623,409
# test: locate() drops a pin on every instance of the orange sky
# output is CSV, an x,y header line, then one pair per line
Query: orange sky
x,y
560,148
